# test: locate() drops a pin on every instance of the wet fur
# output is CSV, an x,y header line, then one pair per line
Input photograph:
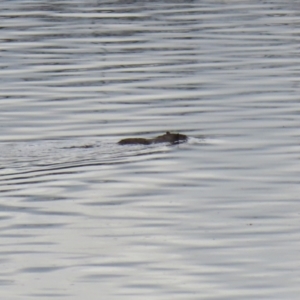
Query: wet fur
x,y
172,138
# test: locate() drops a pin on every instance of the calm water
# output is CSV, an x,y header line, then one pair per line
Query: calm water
x,y
214,218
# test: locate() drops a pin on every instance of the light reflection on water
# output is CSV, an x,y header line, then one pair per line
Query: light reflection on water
x,y
214,218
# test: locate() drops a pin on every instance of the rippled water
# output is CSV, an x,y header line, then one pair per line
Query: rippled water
x,y
214,218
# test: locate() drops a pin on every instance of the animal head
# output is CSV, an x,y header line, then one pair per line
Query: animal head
x,y
175,137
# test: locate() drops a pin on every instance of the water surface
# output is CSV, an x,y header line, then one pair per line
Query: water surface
x,y
214,218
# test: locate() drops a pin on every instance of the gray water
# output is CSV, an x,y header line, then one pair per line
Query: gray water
x,y
214,218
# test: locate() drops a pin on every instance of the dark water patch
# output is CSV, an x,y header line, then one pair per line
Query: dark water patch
x,y
106,203
48,295
13,208
32,226
40,270
22,252
102,277
44,198
6,282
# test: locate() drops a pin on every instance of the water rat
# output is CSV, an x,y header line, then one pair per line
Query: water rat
x,y
172,138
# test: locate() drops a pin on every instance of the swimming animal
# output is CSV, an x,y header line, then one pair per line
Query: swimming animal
x,y
172,138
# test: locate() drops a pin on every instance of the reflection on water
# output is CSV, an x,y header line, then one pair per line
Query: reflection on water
x,y
214,218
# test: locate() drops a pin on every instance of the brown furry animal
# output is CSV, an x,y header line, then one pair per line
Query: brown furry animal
x,y
172,138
